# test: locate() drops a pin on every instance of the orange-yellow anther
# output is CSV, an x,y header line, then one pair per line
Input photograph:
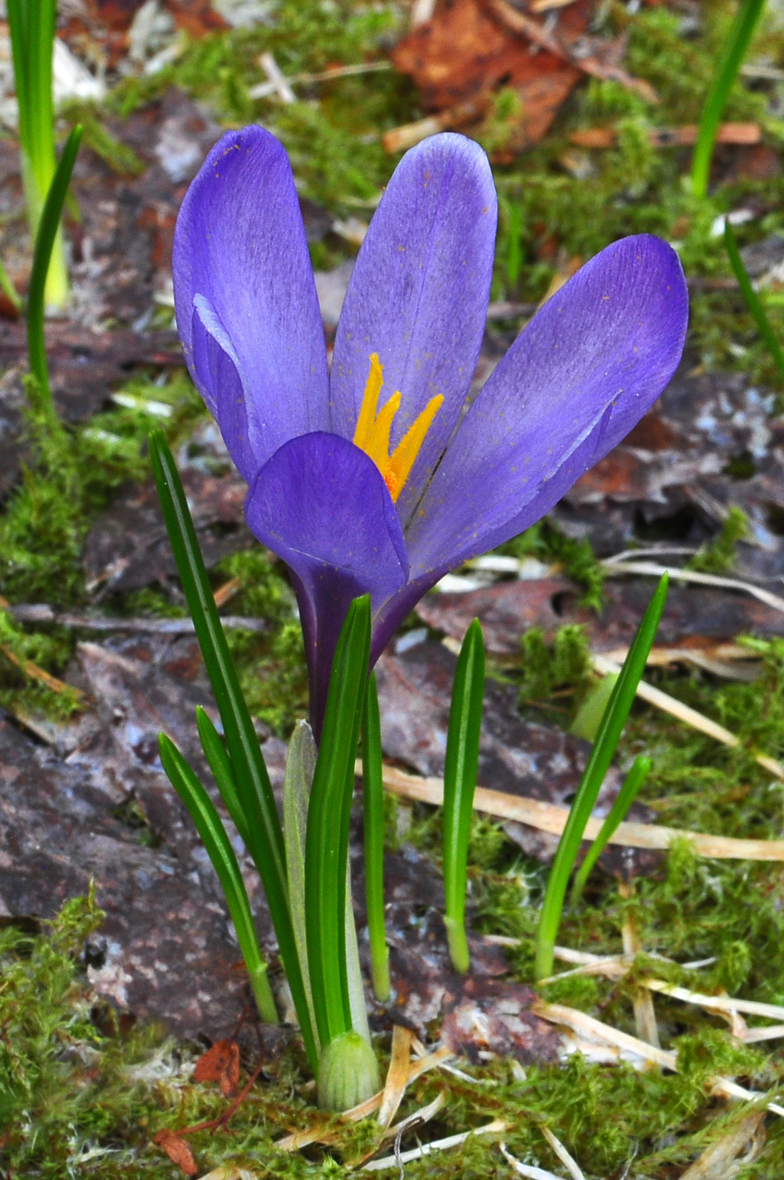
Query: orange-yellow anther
x,y
378,445
402,459
374,426
367,414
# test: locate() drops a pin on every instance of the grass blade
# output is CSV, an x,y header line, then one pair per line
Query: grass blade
x,y
32,30
213,834
626,796
220,765
326,843
300,767
598,763
254,791
373,818
44,243
741,33
462,760
753,301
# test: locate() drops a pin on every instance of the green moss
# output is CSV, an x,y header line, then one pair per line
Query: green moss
x,y
718,556
547,543
547,668
69,478
73,1087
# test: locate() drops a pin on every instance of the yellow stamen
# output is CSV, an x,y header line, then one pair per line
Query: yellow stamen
x,y
367,414
374,426
378,446
402,458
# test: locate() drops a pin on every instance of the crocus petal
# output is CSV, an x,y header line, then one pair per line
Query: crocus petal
x,y
240,244
321,504
217,369
574,383
418,295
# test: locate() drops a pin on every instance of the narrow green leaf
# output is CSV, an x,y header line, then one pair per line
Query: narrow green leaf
x,y
329,812
44,242
460,769
354,981
589,715
254,791
373,818
213,834
9,289
300,766
220,765
753,301
598,762
32,30
745,22
640,770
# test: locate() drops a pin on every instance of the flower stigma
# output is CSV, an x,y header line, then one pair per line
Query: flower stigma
x,y
374,426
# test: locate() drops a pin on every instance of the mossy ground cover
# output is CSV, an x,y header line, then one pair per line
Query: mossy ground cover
x,y
80,1094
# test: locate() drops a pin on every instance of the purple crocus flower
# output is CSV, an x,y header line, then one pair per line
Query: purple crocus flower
x,y
379,477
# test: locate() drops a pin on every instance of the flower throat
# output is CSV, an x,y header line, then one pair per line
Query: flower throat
x,y
374,426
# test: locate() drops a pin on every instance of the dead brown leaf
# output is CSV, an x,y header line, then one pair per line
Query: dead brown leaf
x,y
177,1150
695,617
465,51
220,1064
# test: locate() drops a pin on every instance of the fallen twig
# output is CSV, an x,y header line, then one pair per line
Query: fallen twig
x,y
397,1077
571,1165
698,721
733,133
399,139
405,1157
518,22
530,1171
582,1023
549,817
42,613
642,1001
617,567
266,89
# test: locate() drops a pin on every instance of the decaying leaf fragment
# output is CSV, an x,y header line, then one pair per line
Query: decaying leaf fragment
x,y
220,1064
177,1150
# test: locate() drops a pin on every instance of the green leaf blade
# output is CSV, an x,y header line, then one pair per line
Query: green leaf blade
x,y
373,818
253,788
634,780
752,299
749,12
326,844
460,771
601,755
48,228
215,839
